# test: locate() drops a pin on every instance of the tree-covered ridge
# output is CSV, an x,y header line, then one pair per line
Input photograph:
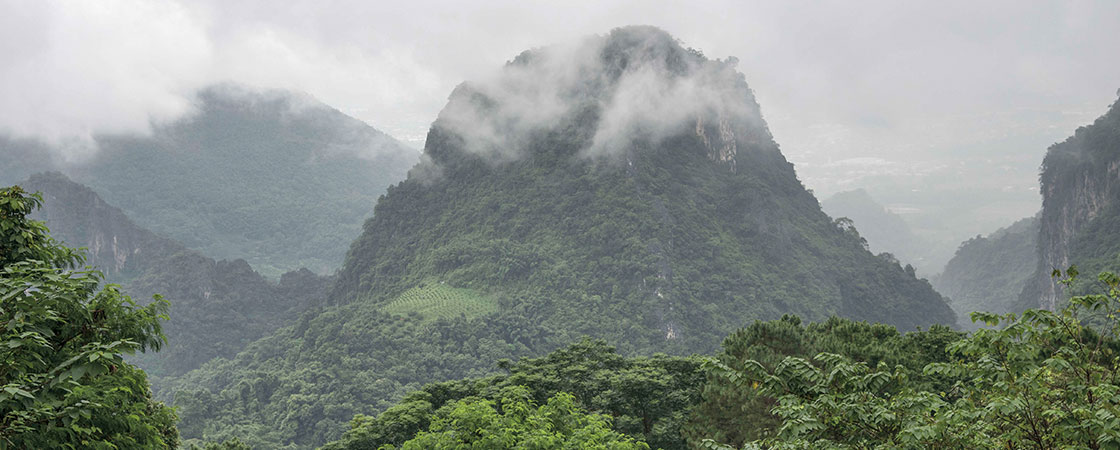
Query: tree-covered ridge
x,y
299,387
988,272
730,414
217,307
272,177
78,217
647,398
663,401
1041,380
63,381
1080,219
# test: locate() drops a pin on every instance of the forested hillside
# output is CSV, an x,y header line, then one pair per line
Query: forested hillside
x,y
272,177
1080,219
625,188
79,217
217,307
777,384
989,272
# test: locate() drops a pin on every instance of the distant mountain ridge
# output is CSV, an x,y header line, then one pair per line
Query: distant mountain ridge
x,y
884,230
274,177
217,307
79,217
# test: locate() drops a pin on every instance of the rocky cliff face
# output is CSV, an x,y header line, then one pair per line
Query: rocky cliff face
x,y
1080,185
217,307
79,217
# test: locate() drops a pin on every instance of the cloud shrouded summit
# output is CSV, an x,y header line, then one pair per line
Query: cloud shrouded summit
x,y
636,84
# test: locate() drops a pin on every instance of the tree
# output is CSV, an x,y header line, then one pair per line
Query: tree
x,y
22,239
515,422
63,382
1044,380
734,414
647,398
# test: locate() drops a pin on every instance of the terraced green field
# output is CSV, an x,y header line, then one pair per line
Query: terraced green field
x,y
437,300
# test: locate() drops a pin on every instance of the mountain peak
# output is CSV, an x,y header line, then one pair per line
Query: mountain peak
x,y
640,171
609,95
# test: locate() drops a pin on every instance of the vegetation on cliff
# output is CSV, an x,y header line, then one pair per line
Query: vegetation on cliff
x,y
1080,219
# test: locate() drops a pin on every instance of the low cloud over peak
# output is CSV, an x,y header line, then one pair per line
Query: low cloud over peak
x,y
634,81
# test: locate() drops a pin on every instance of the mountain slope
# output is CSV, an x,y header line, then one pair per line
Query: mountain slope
x,y
217,307
687,213
273,177
79,217
1080,219
988,273
623,187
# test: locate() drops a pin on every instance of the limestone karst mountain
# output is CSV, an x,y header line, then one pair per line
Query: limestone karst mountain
x,y
624,187
1080,219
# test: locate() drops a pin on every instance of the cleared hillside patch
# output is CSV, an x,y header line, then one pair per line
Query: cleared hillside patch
x,y
436,300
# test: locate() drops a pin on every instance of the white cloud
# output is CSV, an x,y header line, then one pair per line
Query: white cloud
x,y
74,68
871,69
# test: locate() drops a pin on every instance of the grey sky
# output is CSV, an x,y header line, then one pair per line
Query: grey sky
x,y
907,99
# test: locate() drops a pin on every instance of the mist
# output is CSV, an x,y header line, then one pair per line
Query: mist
x,y
651,90
892,97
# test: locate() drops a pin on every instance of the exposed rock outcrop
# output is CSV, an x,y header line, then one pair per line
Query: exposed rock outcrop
x,y
1080,185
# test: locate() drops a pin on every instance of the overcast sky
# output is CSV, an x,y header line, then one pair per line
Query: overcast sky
x,y
894,96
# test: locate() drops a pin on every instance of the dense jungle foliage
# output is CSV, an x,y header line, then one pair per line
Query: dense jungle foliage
x,y
663,401
1040,380
558,424
988,272
647,398
272,177
666,246
63,380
